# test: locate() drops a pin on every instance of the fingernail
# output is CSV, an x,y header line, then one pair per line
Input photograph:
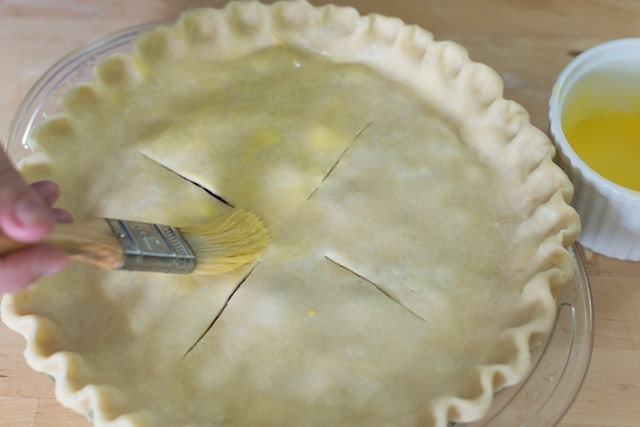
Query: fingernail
x,y
29,212
53,267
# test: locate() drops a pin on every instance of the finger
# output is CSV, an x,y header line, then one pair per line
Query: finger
x,y
50,192
47,190
25,266
60,215
24,216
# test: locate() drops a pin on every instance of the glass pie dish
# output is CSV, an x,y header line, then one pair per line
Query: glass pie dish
x,y
559,366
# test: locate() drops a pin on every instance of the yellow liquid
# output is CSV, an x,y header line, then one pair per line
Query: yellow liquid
x,y
610,145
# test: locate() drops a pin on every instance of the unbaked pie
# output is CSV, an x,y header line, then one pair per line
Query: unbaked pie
x,y
419,227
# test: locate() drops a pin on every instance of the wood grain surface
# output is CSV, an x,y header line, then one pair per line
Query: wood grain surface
x,y
527,41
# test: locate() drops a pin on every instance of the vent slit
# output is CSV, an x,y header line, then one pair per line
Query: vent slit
x,y
224,307
208,191
335,164
376,286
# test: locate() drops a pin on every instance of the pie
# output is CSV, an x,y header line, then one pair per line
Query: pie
x,y
419,228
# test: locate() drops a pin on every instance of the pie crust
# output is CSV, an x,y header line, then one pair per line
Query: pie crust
x,y
419,227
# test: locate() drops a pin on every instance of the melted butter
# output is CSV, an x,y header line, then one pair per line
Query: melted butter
x,y
610,144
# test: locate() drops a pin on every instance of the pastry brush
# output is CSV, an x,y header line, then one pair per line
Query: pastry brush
x,y
227,242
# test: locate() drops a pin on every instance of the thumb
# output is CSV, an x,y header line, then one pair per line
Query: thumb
x,y
24,216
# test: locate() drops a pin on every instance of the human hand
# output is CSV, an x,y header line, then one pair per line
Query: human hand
x,y
27,215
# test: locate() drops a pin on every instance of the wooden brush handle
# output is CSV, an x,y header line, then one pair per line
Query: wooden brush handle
x,y
91,242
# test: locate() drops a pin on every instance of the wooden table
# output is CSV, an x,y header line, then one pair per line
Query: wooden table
x,y
527,41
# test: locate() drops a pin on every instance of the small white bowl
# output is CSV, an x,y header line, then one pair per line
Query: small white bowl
x,y
610,213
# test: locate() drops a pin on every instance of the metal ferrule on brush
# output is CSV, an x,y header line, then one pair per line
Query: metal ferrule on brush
x,y
153,247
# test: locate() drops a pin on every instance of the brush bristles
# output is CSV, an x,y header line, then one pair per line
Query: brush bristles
x,y
228,242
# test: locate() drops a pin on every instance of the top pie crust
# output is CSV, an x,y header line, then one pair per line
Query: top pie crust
x,y
419,226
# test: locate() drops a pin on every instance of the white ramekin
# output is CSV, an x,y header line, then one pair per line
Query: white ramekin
x,y
610,213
